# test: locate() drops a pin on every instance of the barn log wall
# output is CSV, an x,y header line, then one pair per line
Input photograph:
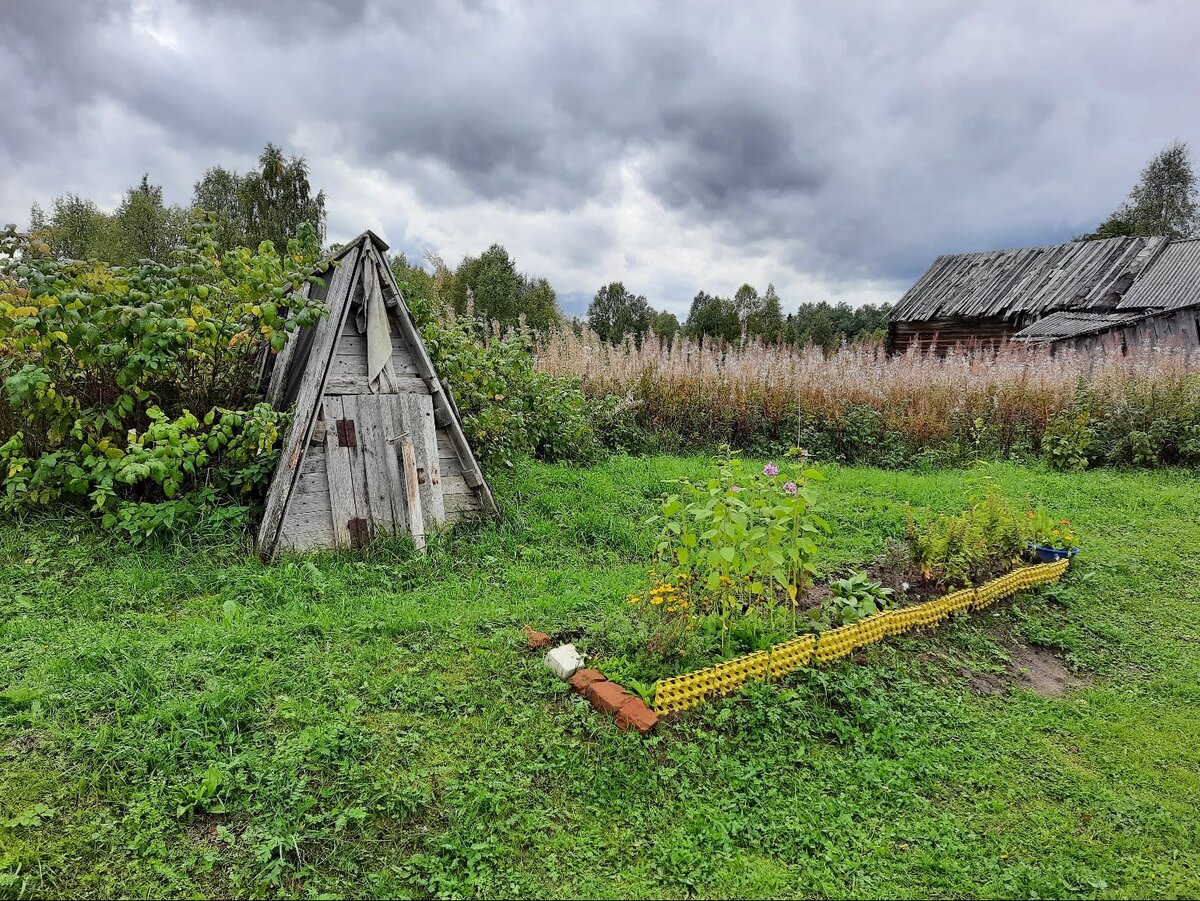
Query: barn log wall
x,y
944,334
1179,329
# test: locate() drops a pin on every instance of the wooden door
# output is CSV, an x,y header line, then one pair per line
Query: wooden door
x,y
381,453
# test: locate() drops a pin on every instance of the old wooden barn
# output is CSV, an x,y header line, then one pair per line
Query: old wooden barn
x,y
376,443
1118,291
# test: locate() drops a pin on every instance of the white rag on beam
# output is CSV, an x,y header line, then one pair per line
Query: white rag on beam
x,y
372,321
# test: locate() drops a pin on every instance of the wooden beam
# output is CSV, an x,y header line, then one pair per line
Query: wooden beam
x,y
304,416
412,494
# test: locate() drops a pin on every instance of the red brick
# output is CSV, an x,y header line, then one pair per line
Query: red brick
x,y
583,679
636,715
608,697
536,639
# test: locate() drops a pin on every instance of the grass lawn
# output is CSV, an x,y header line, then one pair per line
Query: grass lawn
x,y
185,721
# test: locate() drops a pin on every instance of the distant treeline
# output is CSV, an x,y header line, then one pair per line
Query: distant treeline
x,y
617,313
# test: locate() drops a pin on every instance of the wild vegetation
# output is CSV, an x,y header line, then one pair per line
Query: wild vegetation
x,y
178,719
132,390
858,405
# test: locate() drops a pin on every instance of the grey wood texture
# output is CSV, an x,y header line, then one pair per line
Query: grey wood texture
x,y
414,417
412,494
411,468
339,478
304,417
1030,281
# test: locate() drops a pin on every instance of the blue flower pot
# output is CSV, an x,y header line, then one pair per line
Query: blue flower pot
x,y
1051,554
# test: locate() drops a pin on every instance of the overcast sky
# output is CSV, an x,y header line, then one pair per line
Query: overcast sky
x,y
833,149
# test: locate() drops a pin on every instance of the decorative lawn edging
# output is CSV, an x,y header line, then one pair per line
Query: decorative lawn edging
x,y
692,689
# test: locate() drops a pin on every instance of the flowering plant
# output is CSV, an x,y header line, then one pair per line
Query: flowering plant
x,y
741,541
1049,532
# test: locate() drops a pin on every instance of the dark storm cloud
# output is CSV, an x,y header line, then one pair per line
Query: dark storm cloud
x,y
838,145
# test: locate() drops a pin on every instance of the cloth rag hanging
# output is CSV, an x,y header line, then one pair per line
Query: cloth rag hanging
x,y
372,321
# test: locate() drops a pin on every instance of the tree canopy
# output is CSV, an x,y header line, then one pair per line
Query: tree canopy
x,y
616,312
265,204
1163,202
490,286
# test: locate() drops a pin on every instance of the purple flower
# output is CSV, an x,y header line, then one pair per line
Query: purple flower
x,y
735,487
771,470
790,488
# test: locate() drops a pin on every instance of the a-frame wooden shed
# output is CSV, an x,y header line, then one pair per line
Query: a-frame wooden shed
x,y
376,444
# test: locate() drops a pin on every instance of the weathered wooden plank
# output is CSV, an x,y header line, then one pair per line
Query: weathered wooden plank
x,y
415,418
361,503
338,466
458,504
357,384
455,484
374,425
392,474
354,346
412,495
283,360
307,531
307,399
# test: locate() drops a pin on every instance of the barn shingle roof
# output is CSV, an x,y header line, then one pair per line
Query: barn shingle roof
x,y
1069,324
1030,281
1172,283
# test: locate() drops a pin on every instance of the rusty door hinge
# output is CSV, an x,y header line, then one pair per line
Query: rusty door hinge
x,y
345,433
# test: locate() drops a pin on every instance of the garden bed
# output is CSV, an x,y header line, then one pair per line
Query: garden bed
x,y
689,690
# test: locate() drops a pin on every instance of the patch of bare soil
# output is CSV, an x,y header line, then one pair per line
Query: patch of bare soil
x,y
1041,671
1035,668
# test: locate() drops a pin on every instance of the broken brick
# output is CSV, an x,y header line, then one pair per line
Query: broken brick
x,y
584,678
536,640
608,697
636,715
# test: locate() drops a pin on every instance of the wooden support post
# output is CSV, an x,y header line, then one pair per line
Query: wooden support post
x,y
412,492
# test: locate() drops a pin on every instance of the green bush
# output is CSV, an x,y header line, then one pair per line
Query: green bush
x,y
508,407
126,386
963,548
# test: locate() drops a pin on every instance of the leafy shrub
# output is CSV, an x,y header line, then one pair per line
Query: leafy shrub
x,y
127,386
958,549
854,598
741,544
1069,434
509,407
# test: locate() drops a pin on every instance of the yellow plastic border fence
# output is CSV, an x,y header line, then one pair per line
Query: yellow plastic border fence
x,y
692,689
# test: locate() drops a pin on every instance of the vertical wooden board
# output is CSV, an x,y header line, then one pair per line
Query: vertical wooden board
x,y
372,422
416,412
412,494
338,466
386,410
307,401
385,485
358,470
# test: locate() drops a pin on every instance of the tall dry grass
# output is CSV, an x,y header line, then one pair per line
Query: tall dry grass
x,y
703,394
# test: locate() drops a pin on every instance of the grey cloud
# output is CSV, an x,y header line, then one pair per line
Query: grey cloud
x,y
848,143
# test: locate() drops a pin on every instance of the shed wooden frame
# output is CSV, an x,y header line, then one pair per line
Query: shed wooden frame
x,y
356,463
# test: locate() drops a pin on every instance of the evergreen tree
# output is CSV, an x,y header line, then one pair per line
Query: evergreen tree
x,y
767,322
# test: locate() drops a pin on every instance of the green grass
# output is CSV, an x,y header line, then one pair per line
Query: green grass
x,y
195,723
